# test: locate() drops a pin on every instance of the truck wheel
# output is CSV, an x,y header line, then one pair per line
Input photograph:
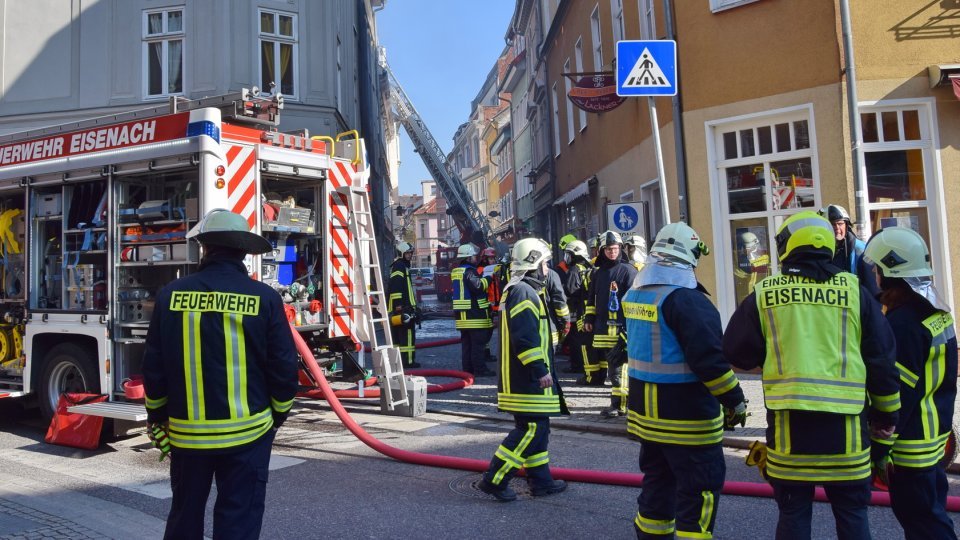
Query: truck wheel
x,y
68,368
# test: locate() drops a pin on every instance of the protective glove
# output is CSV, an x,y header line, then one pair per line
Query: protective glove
x,y
157,433
735,415
883,469
278,419
418,314
565,331
757,456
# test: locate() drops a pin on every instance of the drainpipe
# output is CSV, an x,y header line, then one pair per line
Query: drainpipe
x,y
860,182
679,144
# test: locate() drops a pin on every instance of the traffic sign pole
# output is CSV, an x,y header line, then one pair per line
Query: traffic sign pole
x,y
661,175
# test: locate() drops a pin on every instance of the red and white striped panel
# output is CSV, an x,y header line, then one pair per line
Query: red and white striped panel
x,y
341,254
241,182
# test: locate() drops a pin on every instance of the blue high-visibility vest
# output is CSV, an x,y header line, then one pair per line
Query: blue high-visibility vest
x,y
652,348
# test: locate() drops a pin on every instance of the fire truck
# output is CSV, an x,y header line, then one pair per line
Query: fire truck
x,y
93,218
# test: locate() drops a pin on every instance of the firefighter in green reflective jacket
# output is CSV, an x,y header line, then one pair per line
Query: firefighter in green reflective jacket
x,y
527,385
402,305
471,310
911,462
827,355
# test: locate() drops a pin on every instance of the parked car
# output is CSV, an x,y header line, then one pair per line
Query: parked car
x,y
423,277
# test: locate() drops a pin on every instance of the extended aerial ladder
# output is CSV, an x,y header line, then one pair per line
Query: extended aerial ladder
x,y
473,225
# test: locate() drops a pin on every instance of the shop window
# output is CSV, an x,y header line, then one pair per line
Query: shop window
x,y
766,173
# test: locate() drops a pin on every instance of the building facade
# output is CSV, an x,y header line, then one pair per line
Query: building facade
x,y
66,61
760,138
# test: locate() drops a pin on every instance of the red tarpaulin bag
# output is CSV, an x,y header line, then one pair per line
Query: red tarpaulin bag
x,y
74,429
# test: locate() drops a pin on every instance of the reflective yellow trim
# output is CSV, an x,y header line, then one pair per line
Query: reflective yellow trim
x,y
819,467
515,454
722,384
654,526
281,406
537,460
201,301
524,304
887,403
155,403
211,434
907,377
706,516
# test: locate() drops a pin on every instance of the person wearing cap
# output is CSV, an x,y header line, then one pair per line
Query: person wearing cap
x,y
562,269
402,305
604,320
848,252
471,310
828,375
910,462
683,393
527,386
220,375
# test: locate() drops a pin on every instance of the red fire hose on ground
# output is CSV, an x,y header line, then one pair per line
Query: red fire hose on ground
x,y
465,380
749,489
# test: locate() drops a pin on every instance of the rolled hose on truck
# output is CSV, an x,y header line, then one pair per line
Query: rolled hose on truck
x,y
748,489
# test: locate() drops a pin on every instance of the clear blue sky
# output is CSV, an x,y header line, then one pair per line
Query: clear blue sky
x,y
441,52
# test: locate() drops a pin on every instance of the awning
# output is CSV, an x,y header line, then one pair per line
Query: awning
x,y
580,190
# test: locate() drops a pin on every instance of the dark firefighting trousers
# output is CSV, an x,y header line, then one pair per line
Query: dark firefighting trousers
x,y
525,446
848,502
241,478
918,499
473,349
404,338
596,365
681,487
578,344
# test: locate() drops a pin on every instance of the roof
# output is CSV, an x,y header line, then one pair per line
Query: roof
x,y
428,208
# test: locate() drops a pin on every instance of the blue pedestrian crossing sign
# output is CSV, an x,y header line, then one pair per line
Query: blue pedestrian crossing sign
x,y
647,68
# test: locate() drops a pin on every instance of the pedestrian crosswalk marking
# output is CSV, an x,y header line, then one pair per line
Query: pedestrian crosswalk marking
x,y
646,73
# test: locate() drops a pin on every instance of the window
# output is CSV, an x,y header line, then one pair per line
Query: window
x,y
571,131
720,5
648,23
163,52
616,10
766,171
626,196
556,122
476,151
901,179
578,58
595,35
278,52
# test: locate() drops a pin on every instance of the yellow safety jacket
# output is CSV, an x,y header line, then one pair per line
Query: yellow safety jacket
x,y
814,379
812,334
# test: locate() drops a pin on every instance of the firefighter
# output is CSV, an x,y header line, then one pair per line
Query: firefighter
x,y
488,269
679,380
848,253
528,386
753,263
402,304
576,290
563,268
910,462
220,375
826,351
471,309
604,320
636,250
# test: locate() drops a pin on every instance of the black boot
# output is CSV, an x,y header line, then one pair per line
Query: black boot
x,y
614,410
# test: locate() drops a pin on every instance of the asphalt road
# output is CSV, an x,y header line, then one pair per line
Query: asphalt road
x,y
327,484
